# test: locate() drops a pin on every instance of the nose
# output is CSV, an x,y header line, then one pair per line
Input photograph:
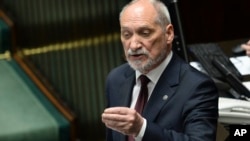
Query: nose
x,y
135,43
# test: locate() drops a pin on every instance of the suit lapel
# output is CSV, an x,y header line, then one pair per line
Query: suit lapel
x,y
126,89
157,100
126,93
163,90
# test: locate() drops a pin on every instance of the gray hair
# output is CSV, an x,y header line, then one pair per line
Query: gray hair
x,y
163,17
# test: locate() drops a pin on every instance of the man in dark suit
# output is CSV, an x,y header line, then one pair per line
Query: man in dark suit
x,y
182,103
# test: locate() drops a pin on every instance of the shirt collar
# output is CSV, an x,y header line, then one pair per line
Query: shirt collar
x,y
155,74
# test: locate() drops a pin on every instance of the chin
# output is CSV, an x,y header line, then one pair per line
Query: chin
x,y
143,67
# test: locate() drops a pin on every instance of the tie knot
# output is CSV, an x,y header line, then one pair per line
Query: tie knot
x,y
144,80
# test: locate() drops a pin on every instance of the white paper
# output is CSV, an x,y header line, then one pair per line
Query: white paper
x,y
247,84
242,63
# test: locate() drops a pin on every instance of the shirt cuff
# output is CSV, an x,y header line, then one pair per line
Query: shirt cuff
x,y
142,131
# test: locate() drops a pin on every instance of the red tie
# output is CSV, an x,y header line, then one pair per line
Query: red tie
x,y
142,97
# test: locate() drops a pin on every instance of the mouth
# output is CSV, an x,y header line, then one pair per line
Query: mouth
x,y
136,56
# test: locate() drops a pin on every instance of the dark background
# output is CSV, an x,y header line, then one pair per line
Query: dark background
x,y
215,20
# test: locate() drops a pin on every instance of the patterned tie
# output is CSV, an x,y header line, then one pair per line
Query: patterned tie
x,y
142,97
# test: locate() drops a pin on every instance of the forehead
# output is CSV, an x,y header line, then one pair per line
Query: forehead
x,y
139,13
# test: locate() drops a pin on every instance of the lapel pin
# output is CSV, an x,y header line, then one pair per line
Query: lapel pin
x,y
165,97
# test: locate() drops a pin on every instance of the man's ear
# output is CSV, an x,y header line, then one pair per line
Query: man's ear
x,y
169,33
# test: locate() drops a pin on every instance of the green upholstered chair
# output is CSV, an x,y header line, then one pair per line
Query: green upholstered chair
x,y
25,113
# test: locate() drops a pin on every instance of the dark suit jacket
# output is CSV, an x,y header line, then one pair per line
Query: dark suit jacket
x,y
189,113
